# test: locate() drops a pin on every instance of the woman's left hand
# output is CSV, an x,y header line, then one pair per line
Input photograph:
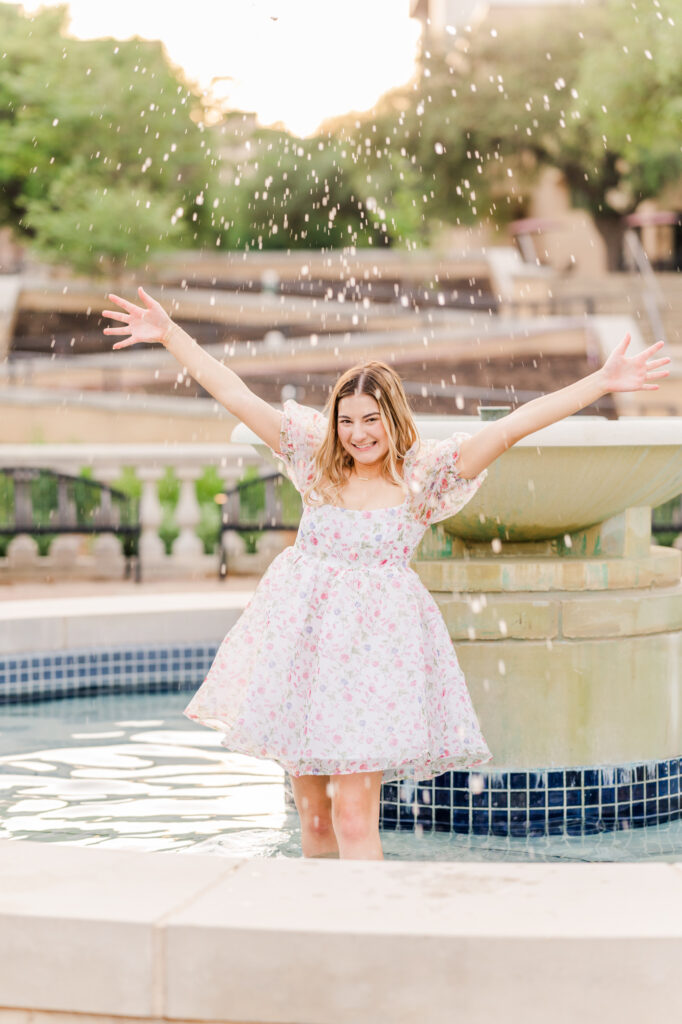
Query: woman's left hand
x,y
637,373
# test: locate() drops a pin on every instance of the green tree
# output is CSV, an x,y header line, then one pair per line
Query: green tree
x,y
292,193
92,225
598,98
630,112
102,154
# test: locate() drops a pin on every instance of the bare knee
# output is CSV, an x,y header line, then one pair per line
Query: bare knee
x,y
353,821
318,825
318,838
315,815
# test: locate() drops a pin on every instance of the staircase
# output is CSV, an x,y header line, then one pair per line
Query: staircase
x,y
624,294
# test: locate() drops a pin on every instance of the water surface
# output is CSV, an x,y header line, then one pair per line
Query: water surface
x,y
130,772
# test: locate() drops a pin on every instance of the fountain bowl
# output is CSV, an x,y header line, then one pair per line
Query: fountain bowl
x,y
562,479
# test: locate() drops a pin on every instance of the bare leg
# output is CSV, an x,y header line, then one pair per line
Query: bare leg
x,y
314,807
355,815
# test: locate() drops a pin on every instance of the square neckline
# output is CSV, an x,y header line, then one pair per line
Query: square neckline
x,y
386,508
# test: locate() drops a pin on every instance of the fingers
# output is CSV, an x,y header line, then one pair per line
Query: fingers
x,y
113,315
149,302
654,374
653,363
116,330
624,344
651,349
129,306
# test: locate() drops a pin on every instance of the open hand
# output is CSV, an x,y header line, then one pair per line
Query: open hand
x,y
637,373
147,323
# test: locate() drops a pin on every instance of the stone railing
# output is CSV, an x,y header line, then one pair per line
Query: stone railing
x,y
150,461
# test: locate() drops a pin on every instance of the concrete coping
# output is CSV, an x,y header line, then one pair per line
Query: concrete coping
x,y
128,604
49,624
142,454
207,938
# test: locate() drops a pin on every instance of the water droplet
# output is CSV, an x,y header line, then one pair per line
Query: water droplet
x,y
476,783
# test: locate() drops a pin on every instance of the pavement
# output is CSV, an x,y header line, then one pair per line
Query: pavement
x,y
66,589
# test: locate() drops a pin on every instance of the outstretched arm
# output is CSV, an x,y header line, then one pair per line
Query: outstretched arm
x,y
150,323
619,373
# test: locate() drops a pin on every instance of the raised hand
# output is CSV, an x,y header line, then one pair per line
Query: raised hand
x,y
148,323
637,373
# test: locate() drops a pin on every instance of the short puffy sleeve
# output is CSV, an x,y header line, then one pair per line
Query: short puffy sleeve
x,y
300,436
436,489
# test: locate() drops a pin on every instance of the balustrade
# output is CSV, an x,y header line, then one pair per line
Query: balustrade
x,y
102,556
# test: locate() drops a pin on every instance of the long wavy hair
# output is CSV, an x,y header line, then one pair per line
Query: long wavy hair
x,y
332,463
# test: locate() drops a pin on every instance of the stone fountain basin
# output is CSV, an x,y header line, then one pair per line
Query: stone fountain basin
x,y
564,478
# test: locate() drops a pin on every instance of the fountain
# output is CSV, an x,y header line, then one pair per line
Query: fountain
x,y
568,626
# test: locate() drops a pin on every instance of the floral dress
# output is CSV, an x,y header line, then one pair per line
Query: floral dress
x,y
341,662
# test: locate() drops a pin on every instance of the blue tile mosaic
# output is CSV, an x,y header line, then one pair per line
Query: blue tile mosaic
x,y
570,801
135,669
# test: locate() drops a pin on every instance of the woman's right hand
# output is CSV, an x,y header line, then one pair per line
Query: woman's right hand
x,y
143,324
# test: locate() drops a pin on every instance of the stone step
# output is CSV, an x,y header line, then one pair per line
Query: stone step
x,y
562,615
662,567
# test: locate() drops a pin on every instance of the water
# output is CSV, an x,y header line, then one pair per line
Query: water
x,y
130,772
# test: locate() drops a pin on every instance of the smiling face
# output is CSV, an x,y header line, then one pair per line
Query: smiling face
x,y
360,429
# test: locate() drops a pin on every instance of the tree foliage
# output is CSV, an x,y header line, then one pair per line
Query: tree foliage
x,y
598,97
105,157
101,155
281,192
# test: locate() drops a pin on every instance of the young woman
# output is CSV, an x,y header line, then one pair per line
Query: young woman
x,y
341,667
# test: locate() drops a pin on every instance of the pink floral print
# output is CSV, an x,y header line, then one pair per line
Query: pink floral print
x,y
341,662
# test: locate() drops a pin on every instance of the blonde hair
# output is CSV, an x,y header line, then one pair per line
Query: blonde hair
x,y
332,463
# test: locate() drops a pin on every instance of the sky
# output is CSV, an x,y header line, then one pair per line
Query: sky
x,y
294,61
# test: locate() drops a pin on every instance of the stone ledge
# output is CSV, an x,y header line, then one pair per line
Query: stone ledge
x,y
497,617
661,568
139,617
593,615
155,937
622,614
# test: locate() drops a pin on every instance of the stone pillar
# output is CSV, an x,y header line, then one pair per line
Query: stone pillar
x,y
152,550
107,548
187,547
64,551
22,553
570,648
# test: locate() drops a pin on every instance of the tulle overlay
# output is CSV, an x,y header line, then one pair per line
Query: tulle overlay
x,y
341,661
